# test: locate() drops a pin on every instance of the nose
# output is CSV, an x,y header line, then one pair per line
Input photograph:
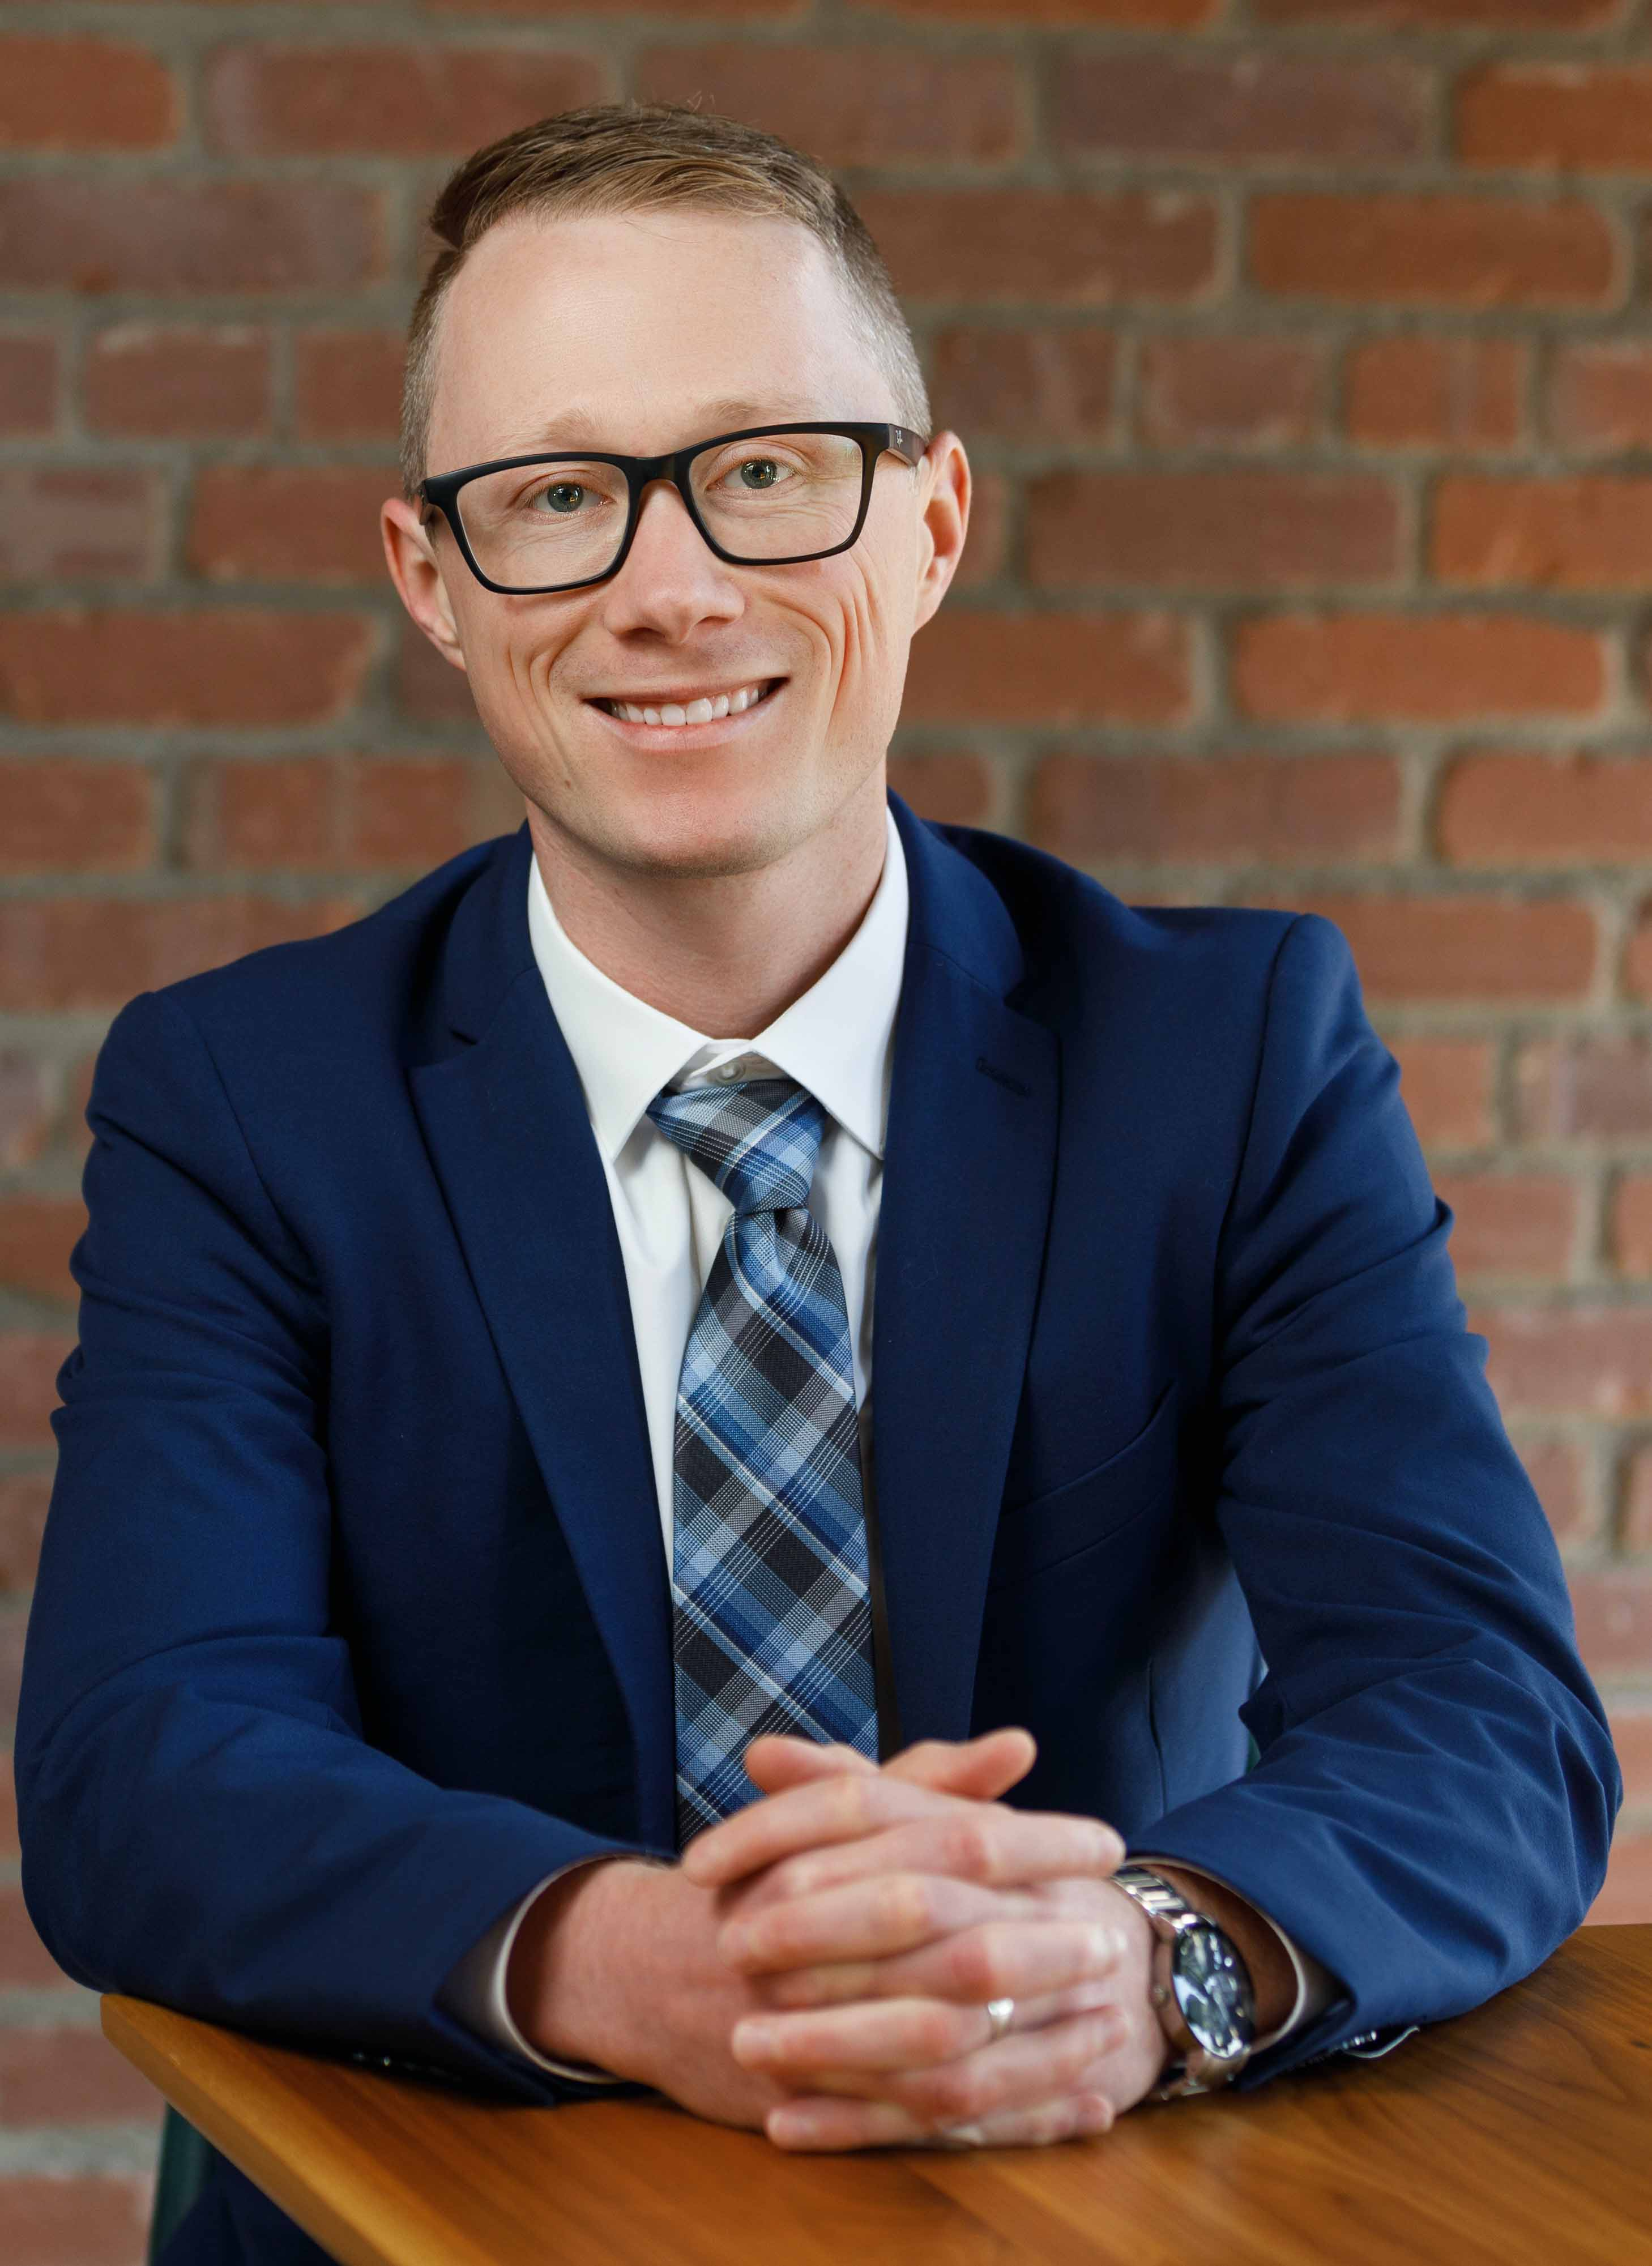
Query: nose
x,y
671,581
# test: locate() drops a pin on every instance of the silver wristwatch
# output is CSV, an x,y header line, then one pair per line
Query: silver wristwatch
x,y
1202,1989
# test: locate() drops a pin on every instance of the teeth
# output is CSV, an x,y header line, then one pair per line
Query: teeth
x,y
695,712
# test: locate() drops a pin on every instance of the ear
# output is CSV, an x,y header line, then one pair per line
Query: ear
x,y
417,574
945,509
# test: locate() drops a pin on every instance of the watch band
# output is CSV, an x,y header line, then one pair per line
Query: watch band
x,y
1195,2068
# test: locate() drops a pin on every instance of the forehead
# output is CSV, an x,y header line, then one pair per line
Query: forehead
x,y
620,329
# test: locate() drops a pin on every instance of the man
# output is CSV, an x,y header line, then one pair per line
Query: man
x,y
484,1434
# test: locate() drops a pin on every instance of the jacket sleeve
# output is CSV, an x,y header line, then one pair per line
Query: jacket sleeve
x,y
1431,1807
202,1822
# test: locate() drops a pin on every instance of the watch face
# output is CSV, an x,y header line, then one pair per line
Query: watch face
x,y
1213,1993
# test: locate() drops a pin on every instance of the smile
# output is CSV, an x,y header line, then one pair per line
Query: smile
x,y
699,708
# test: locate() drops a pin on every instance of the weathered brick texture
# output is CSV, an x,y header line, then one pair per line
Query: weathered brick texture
x,y
1302,347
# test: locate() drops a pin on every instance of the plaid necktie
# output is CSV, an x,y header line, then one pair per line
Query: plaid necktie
x,y
771,1620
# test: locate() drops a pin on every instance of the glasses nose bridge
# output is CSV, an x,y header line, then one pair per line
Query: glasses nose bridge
x,y
670,471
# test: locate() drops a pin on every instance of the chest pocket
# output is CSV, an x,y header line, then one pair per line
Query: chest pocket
x,y
1140,1478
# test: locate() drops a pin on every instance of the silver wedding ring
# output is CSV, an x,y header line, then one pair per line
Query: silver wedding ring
x,y
1001,2015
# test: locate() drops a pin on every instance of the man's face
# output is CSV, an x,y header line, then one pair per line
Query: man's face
x,y
641,334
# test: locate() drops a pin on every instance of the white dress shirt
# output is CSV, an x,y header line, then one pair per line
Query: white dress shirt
x,y
838,1042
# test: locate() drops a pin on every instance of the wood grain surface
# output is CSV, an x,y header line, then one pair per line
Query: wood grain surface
x,y
1521,2132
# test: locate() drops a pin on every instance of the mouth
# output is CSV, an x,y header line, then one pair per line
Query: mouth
x,y
686,707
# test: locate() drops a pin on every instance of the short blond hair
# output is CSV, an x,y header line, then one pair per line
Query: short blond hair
x,y
619,158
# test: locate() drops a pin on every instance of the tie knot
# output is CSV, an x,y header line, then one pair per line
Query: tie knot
x,y
758,1139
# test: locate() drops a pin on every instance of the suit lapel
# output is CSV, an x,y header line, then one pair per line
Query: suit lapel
x,y
506,1125
967,1177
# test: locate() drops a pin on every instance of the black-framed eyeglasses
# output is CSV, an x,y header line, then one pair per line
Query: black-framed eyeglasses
x,y
771,496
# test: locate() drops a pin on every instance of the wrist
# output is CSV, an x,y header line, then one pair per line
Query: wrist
x,y
1273,1978
564,1984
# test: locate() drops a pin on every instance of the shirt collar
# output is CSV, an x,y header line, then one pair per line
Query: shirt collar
x,y
836,1040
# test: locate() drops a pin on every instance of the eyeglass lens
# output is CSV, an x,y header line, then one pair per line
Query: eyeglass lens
x,y
776,495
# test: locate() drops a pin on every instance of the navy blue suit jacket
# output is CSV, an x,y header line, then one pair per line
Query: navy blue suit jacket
x,y
352,1619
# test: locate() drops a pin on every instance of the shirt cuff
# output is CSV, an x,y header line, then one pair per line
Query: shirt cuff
x,y
474,1991
1315,1989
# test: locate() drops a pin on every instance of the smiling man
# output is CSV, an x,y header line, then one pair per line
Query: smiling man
x,y
513,1601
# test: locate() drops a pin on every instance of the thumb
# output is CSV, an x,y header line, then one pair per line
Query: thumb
x,y
976,1770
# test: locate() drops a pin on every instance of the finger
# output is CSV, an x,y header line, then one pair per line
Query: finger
x,y
837,1809
888,2033
778,1761
826,2123
999,1958
982,1841
863,1919
1015,2072
982,1769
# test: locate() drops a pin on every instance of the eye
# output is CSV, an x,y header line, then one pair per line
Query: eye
x,y
759,472
563,496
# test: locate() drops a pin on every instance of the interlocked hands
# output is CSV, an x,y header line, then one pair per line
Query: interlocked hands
x,y
820,1964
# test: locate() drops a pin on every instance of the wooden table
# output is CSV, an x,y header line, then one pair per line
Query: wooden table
x,y
1521,2132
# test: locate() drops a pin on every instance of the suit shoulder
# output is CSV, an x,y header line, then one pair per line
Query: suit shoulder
x,y
363,968
1062,915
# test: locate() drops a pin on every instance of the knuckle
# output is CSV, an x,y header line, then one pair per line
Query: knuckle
x,y
968,1848
908,1903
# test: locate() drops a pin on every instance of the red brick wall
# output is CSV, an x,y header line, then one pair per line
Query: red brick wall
x,y
1304,349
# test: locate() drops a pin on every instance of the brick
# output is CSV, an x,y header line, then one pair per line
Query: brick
x,y
1240,105
1412,393
1632,1737
1228,392
1428,15
62,814
346,385
1614,1621
1626,1898
1438,250
28,383
1637,959
1233,528
852,105
29,1364
1595,117
1352,667
1582,1361
28,1107
13,1627
1630,1232
403,102
349,814
23,1498
1600,395
214,665
1558,1471
1584,1089
1449,1088
61,522
978,667
65,231
429,690
767,11
1518,809
1635,1518
1510,1223
1447,1085
86,2219
1065,247
289,524
96,951
164,379
84,94
1297,810
1149,15
1587,533
37,1234
1492,948
68,2076
1024,384
954,788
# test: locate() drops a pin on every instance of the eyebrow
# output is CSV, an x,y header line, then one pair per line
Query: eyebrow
x,y
731,414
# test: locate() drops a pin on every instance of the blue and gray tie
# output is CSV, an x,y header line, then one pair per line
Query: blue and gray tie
x,y
771,1613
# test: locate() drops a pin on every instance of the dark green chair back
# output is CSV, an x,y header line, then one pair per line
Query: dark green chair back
x,y
185,2157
